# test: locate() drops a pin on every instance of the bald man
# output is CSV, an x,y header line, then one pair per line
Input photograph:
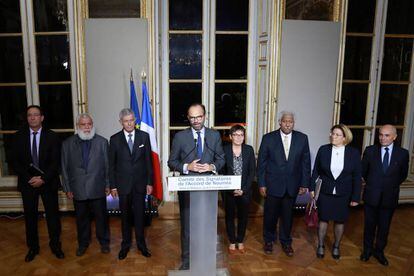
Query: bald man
x,y
384,168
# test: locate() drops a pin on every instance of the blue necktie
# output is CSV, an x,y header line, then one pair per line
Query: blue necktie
x,y
385,161
199,145
35,156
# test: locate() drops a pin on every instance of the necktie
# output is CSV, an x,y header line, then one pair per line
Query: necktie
x,y
199,145
286,145
385,161
130,143
35,157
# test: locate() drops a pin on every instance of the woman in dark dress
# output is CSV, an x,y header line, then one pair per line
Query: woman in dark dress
x,y
240,160
338,165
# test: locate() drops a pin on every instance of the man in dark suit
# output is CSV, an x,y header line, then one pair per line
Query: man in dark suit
x,y
283,168
384,168
36,155
130,178
196,150
85,172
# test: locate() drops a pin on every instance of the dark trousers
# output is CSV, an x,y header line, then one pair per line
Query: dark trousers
x,y
377,223
83,210
276,208
232,205
30,205
132,205
184,202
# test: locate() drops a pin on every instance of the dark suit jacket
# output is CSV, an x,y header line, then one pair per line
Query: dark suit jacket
x,y
384,185
248,169
90,183
276,173
49,158
130,172
348,182
184,150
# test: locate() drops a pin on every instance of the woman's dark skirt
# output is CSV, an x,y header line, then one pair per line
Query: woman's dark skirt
x,y
333,207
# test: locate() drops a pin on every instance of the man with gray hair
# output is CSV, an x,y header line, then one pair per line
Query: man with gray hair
x,y
130,178
85,171
283,170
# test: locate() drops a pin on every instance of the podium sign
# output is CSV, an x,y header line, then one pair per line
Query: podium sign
x,y
204,183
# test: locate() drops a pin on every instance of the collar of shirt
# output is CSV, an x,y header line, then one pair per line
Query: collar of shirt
x,y
202,133
289,136
126,133
390,147
39,131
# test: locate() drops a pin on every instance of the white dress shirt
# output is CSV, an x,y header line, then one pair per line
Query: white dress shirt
x,y
337,162
390,147
289,141
39,132
126,133
195,135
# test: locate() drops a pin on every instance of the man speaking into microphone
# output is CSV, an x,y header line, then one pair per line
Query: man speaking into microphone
x,y
195,150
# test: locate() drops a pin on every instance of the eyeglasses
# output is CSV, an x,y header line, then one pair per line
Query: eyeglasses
x,y
196,118
336,135
237,135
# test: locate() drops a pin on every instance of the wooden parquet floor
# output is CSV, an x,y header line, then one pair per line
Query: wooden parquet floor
x,y
163,240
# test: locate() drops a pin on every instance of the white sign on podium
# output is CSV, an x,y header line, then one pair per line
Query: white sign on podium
x,y
204,182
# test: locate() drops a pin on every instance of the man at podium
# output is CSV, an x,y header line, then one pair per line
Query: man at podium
x,y
195,150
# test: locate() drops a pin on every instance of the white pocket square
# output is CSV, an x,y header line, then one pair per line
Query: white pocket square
x,y
141,146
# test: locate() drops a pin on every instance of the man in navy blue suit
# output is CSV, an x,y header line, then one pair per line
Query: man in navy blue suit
x,y
283,168
384,168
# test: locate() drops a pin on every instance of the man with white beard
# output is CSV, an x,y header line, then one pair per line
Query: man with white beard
x,y
85,172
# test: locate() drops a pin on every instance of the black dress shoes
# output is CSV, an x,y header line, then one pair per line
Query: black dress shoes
x,y
105,249
336,254
144,251
288,250
365,256
184,266
381,259
123,253
58,252
80,251
320,252
31,255
268,248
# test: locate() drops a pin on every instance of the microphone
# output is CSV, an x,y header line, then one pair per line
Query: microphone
x,y
214,152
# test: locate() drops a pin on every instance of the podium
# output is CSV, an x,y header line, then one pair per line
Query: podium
x,y
203,219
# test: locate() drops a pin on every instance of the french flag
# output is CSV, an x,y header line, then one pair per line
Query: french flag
x,y
147,125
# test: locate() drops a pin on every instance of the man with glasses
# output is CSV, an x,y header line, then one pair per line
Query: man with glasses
x,y
196,150
36,158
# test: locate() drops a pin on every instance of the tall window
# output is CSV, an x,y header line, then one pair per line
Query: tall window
x,y
377,77
208,57
35,67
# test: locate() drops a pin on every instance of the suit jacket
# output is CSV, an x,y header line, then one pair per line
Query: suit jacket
x,y
184,150
89,183
380,184
130,172
248,169
276,173
348,183
49,159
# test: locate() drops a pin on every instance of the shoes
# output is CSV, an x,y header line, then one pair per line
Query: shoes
x,y
58,252
80,251
336,254
31,255
232,249
365,256
144,251
123,253
105,249
241,248
288,250
268,248
381,259
184,266
320,252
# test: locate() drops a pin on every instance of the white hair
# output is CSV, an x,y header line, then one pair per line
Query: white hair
x,y
83,116
286,113
126,112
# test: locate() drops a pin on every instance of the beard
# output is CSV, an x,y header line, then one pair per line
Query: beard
x,y
86,136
